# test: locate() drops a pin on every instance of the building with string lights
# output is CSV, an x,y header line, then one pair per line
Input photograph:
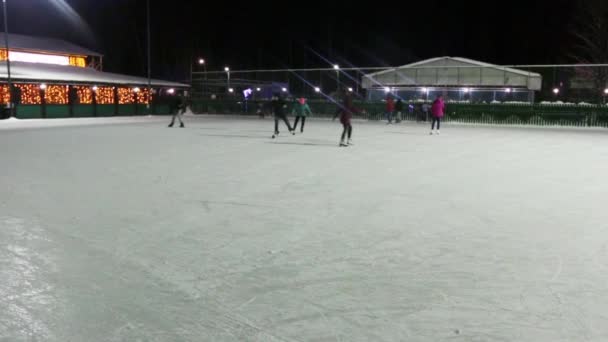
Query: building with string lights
x,y
54,78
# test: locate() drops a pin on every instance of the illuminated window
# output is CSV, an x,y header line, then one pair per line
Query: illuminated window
x,y
56,94
17,56
30,94
3,55
5,97
105,95
126,96
77,61
84,94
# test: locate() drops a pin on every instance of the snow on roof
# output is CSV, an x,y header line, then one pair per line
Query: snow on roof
x,y
36,72
433,62
42,44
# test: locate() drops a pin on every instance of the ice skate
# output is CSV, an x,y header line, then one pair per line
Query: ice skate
x,y
182,125
170,125
349,142
437,132
342,144
431,133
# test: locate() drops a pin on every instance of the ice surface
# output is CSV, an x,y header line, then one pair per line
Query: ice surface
x,y
131,231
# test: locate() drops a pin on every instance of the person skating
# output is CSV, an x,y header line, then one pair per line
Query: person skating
x,y
301,110
345,111
178,108
399,110
390,109
425,110
438,111
278,107
259,109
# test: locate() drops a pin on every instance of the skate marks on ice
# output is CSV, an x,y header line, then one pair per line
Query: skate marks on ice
x,y
208,203
303,143
235,136
27,297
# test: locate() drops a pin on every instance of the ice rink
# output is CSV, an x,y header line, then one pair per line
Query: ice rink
x,y
131,231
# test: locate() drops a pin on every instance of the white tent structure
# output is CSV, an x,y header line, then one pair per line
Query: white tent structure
x,y
449,73
453,72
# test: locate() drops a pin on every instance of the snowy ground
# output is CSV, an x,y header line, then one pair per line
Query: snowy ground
x,y
130,231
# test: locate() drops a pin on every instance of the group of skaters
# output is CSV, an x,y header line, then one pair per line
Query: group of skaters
x,y
300,109
394,111
344,112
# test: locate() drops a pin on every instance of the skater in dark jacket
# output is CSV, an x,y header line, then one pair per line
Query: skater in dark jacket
x,y
278,107
178,108
399,110
345,111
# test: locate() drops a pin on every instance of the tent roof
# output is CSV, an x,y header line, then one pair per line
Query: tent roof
x,y
36,72
42,44
453,72
454,62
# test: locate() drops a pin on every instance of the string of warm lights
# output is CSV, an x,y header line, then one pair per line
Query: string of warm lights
x,y
84,94
126,96
56,94
4,94
30,93
104,95
142,96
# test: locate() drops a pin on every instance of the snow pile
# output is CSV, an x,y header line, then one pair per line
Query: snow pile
x,y
557,103
517,102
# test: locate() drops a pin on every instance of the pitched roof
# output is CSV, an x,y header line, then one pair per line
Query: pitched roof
x,y
437,62
37,72
42,44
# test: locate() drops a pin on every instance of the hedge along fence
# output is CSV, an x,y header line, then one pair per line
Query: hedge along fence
x,y
501,114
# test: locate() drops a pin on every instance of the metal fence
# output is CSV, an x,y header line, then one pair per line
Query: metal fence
x,y
557,83
502,114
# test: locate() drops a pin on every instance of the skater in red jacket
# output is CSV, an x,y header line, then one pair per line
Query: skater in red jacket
x,y
345,111
437,110
390,108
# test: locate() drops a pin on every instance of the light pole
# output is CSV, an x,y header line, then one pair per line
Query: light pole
x,y
8,62
149,96
201,61
227,70
337,68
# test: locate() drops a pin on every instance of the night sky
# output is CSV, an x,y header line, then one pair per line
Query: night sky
x,y
268,34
